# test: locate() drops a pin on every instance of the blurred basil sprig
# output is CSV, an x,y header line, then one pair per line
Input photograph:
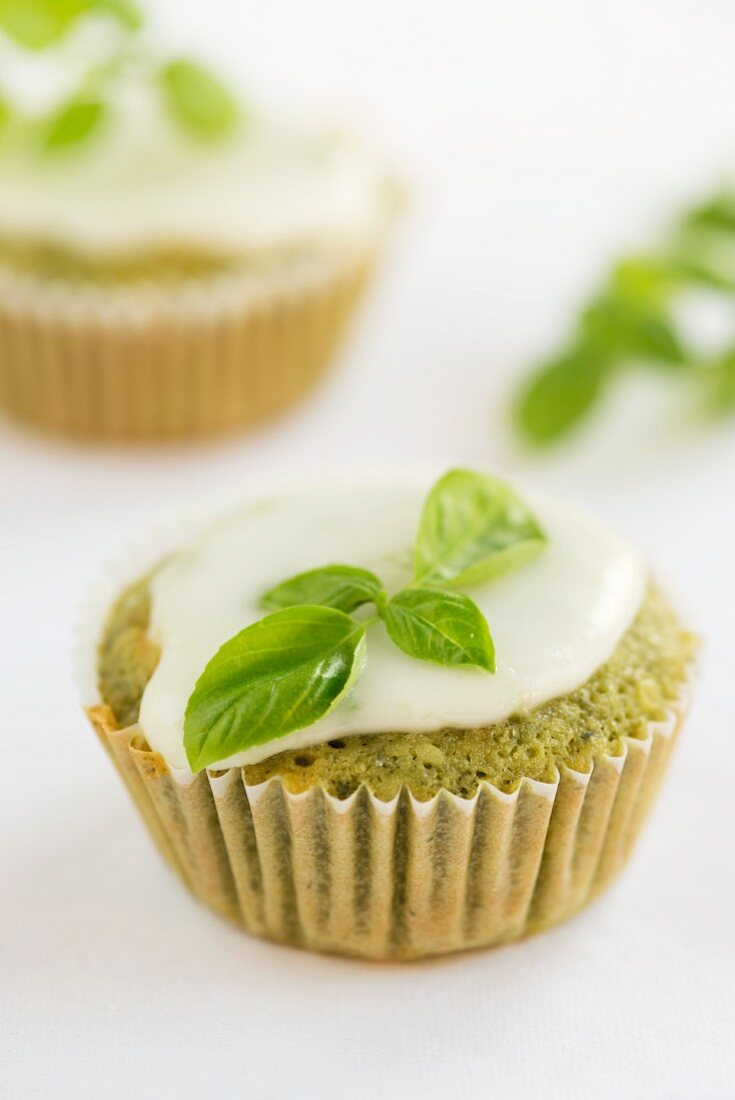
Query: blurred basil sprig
x,y
194,97
632,323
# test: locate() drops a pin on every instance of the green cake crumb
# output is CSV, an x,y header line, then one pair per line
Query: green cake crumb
x,y
127,657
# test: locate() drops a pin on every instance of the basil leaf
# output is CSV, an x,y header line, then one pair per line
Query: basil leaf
x,y
719,379
473,528
444,627
280,674
698,273
73,123
620,325
560,394
342,586
36,24
197,99
718,213
644,279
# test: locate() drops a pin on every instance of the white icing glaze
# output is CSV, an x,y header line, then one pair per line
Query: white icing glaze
x,y
145,185
554,621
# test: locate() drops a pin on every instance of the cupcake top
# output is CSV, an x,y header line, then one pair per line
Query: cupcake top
x,y
144,187
112,150
554,619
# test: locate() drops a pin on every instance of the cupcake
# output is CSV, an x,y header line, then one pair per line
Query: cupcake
x,y
173,262
389,719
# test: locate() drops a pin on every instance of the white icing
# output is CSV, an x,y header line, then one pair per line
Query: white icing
x,y
144,185
554,621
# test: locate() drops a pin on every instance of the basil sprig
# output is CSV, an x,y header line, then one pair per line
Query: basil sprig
x,y
287,670
342,586
195,99
632,322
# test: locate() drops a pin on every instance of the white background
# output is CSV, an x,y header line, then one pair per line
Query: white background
x,y
539,138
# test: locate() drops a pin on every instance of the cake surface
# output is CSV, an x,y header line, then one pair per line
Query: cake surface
x,y
554,621
146,202
636,686
589,652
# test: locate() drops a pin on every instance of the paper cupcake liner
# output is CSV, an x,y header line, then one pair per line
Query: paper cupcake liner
x,y
148,363
398,879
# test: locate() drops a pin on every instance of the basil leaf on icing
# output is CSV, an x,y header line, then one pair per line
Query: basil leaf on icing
x,y
74,123
283,672
444,627
288,670
38,24
197,99
473,528
342,586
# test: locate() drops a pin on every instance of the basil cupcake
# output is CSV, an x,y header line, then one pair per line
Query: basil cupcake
x,y
173,262
388,719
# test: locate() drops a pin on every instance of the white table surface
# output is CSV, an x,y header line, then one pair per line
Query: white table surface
x,y
539,136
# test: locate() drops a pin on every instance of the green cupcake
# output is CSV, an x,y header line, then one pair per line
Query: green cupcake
x,y
446,732
174,261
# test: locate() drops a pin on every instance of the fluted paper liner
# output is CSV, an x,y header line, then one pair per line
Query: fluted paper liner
x,y
398,879
148,363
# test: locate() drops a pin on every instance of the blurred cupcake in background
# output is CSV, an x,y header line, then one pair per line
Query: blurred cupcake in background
x,y
173,262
